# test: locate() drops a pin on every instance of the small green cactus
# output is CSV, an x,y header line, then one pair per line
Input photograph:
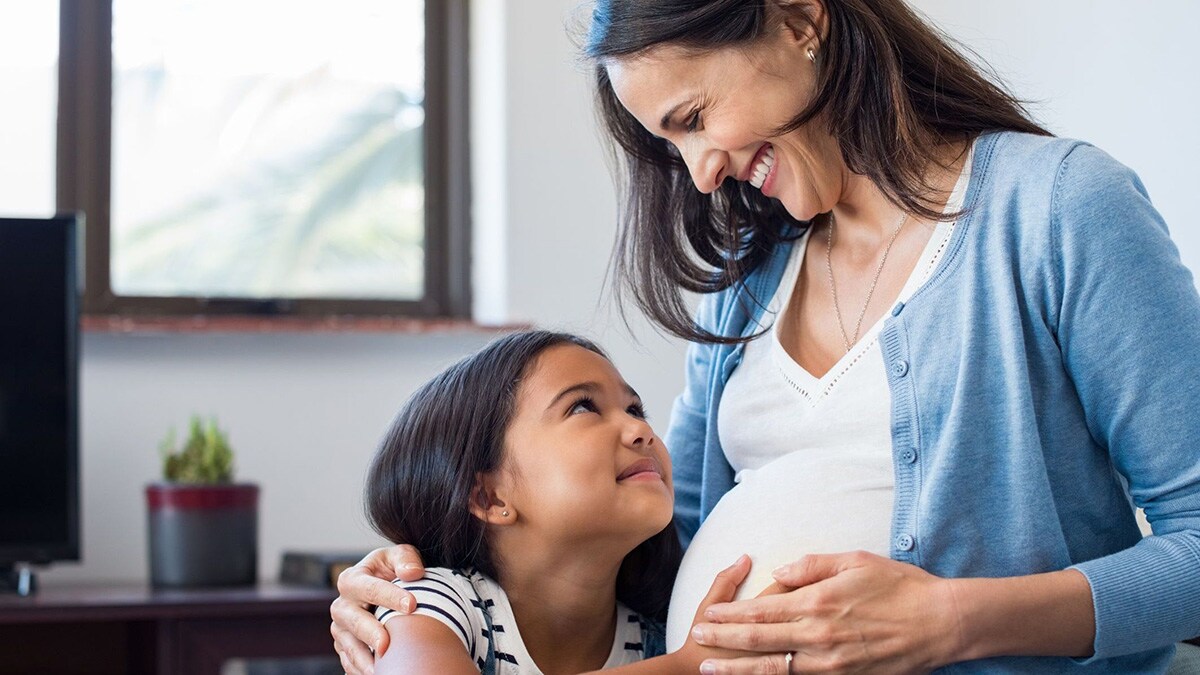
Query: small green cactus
x,y
205,458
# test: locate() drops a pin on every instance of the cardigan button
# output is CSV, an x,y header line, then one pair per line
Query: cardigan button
x,y
897,309
900,368
908,455
904,542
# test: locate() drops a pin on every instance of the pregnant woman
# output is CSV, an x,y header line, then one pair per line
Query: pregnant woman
x,y
940,355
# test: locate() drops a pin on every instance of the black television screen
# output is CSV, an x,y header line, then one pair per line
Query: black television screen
x,y
39,452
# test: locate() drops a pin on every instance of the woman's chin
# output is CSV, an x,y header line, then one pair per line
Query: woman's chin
x,y
802,211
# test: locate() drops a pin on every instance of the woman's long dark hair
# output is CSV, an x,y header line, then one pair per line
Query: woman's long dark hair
x,y
890,86
452,429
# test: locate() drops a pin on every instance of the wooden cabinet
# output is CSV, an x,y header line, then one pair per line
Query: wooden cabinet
x,y
134,629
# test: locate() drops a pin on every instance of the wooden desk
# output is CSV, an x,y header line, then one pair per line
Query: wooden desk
x,y
133,629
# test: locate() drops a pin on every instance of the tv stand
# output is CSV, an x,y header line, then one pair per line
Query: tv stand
x,y
17,579
132,629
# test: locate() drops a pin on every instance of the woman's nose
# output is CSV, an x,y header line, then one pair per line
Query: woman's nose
x,y
708,166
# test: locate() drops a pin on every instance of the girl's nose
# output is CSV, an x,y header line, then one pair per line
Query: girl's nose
x,y
637,433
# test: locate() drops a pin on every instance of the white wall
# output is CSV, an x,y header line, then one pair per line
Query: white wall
x,y
1123,76
305,411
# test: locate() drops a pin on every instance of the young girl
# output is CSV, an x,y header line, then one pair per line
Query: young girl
x,y
541,500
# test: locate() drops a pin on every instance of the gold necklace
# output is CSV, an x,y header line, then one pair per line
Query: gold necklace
x,y
833,287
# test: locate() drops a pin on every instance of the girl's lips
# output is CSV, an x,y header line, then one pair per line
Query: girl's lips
x,y
641,469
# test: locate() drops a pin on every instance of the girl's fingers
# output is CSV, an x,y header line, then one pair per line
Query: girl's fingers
x,y
726,583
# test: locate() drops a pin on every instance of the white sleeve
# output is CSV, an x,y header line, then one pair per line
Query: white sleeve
x,y
448,597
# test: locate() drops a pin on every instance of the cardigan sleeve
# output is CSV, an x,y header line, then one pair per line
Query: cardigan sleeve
x,y
688,428
1128,325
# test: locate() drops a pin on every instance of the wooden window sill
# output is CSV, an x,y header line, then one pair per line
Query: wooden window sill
x,y
116,324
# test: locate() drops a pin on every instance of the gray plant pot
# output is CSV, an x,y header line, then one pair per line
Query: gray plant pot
x,y
202,535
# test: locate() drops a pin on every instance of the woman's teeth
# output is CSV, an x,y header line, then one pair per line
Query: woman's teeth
x,y
763,167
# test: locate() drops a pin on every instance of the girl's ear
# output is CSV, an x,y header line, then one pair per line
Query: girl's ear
x,y
488,503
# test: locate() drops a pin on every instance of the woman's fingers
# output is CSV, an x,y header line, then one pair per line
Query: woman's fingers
x,y
356,658
768,664
403,562
778,608
752,637
819,566
393,562
357,627
364,585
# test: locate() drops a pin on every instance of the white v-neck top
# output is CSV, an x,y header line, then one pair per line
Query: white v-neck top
x,y
812,456
847,408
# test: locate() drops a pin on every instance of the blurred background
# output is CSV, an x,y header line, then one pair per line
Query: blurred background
x,y
321,116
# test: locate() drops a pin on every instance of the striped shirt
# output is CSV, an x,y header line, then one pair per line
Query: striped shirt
x,y
477,610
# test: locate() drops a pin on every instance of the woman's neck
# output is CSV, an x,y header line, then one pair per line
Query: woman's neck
x,y
865,216
564,603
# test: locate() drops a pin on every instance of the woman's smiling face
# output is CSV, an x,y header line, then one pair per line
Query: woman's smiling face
x,y
722,108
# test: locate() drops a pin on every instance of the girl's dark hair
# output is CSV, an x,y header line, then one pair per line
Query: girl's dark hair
x,y
420,483
890,86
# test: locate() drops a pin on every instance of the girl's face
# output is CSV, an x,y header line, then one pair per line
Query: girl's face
x,y
581,462
721,110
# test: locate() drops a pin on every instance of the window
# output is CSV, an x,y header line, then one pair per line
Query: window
x,y
267,156
28,62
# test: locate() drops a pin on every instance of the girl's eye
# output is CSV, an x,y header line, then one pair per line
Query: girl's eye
x,y
693,121
637,411
582,405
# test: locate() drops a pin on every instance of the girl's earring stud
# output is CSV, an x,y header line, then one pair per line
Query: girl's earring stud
x,y
812,55
504,514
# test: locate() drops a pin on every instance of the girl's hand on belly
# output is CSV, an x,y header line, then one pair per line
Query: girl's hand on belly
x,y
848,612
723,589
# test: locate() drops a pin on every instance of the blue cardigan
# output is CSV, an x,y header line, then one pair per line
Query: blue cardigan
x,y
1044,381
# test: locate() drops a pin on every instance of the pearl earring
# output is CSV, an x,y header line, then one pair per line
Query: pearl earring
x,y
812,55
504,514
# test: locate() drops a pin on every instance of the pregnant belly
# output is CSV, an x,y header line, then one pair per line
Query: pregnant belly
x,y
777,514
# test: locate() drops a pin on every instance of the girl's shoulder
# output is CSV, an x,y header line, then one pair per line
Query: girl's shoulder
x,y
459,599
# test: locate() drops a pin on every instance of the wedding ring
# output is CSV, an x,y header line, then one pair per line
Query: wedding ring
x,y
787,660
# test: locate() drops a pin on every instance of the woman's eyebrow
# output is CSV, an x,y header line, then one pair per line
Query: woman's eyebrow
x,y
666,119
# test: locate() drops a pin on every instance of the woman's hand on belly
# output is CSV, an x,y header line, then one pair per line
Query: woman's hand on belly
x,y
848,612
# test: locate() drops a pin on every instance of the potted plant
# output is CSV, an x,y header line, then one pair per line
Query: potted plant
x,y
203,527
